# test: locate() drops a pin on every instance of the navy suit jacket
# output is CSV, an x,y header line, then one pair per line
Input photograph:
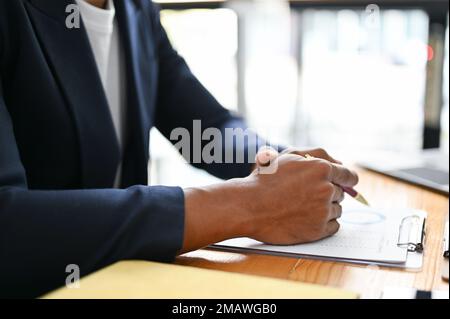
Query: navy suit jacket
x,y
59,153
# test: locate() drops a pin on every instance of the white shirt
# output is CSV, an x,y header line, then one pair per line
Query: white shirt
x,y
103,34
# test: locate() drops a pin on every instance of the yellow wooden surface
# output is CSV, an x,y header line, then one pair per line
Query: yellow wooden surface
x,y
139,279
368,281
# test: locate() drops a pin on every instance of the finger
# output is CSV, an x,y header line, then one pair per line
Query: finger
x,y
336,212
333,227
265,156
320,153
338,196
317,153
342,176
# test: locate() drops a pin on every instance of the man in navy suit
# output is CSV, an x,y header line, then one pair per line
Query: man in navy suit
x,y
76,107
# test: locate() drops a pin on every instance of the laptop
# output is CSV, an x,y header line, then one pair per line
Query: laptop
x,y
428,168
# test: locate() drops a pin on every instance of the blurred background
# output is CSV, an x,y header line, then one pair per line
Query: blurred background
x,y
347,79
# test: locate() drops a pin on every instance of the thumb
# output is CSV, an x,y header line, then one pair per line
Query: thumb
x,y
265,156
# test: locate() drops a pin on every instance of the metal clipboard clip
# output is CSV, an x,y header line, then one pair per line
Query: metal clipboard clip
x,y
412,233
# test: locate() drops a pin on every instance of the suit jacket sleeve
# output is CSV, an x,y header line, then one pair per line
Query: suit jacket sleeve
x,y
183,99
41,232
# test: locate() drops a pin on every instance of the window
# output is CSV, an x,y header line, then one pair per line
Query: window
x,y
312,77
368,80
207,39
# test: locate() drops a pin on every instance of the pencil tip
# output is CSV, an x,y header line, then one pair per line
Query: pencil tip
x,y
362,200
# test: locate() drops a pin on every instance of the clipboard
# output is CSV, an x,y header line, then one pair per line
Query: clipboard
x,y
410,237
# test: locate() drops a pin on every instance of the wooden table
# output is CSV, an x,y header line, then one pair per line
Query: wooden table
x,y
368,281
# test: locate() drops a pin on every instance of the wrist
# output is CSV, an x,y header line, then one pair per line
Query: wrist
x,y
238,201
216,213
231,203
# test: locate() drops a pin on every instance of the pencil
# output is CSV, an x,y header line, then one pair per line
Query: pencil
x,y
350,191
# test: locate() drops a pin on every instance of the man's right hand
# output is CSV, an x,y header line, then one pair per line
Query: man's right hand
x,y
298,203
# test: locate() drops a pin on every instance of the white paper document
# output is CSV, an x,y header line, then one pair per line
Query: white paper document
x,y
366,235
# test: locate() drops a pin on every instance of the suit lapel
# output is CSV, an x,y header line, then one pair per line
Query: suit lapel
x,y
135,29
71,60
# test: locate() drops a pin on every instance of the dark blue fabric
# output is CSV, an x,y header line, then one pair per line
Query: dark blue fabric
x,y
59,153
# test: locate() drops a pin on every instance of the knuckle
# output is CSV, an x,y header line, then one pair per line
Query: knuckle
x,y
356,177
327,190
350,176
347,176
338,227
333,228
324,167
341,195
338,211
323,216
